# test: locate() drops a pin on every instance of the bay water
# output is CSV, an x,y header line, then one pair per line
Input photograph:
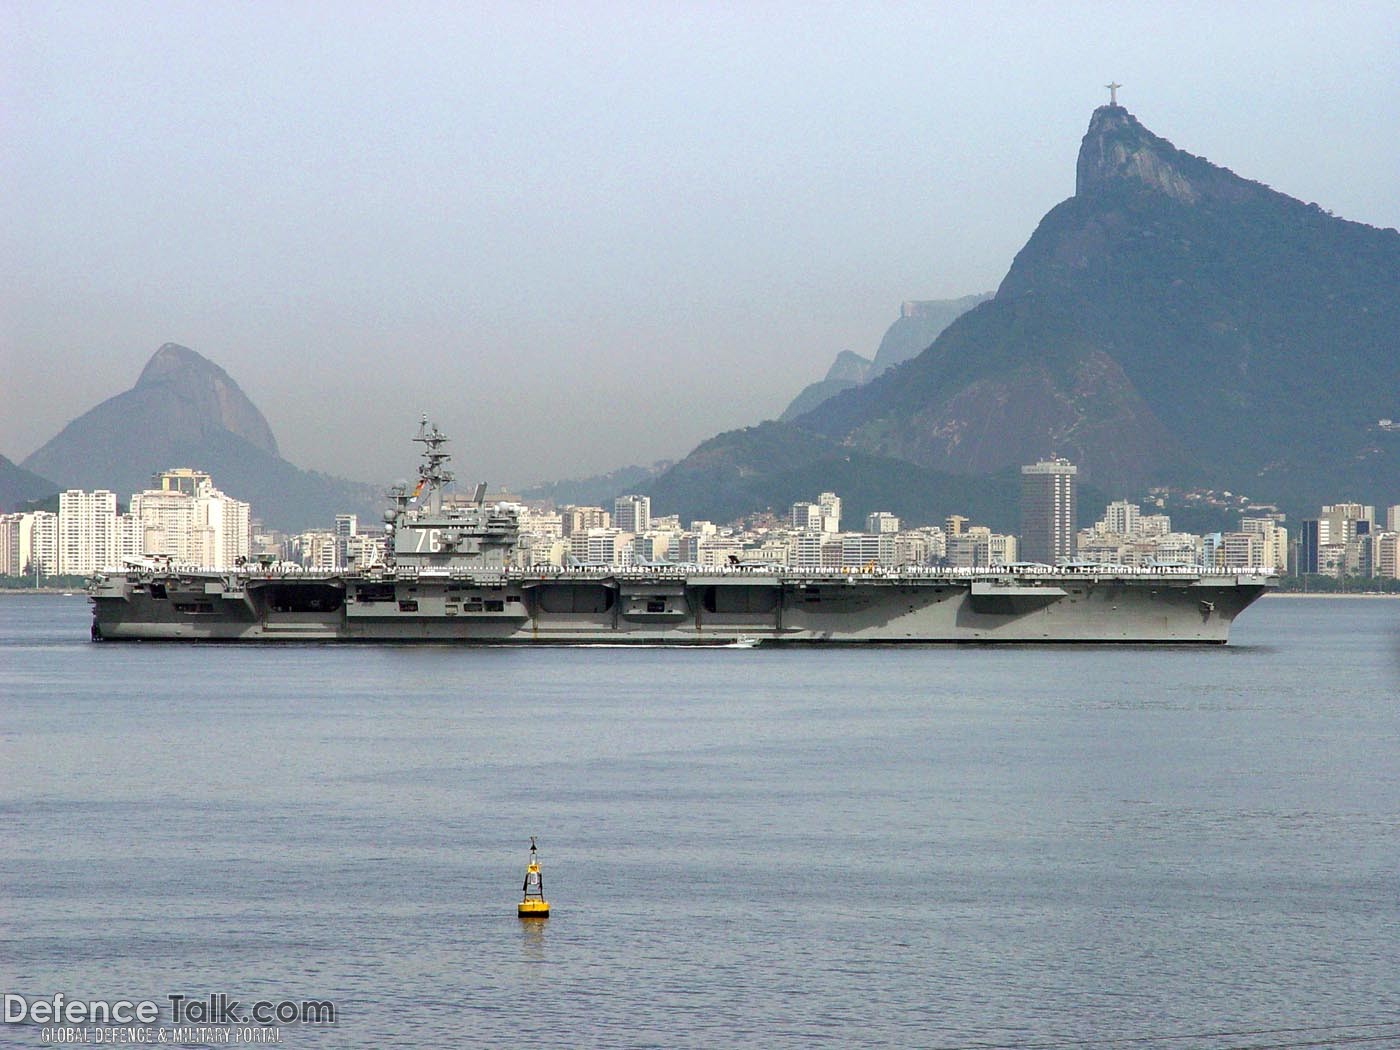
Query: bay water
x,y
916,847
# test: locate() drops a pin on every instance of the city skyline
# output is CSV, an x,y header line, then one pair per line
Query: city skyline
x,y
184,519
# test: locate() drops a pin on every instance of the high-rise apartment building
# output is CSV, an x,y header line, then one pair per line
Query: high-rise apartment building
x,y
581,519
43,543
1273,551
632,513
87,531
1121,518
1048,511
1385,558
199,527
180,479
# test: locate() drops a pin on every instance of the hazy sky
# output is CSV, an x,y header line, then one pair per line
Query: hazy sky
x,y
585,235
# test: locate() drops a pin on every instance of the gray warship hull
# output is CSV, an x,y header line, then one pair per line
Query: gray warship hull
x,y
674,606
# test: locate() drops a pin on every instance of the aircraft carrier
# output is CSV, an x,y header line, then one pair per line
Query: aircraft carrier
x,y
450,576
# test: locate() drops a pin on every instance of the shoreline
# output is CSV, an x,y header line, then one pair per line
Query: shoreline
x,y
1332,594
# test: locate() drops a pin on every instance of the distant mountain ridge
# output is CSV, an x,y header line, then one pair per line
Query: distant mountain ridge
x,y
19,486
599,490
186,411
920,322
1171,322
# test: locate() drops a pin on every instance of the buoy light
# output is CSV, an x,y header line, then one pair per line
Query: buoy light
x,y
533,905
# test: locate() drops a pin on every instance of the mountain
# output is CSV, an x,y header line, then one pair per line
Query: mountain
x,y
773,465
186,411
600,490
19,486
920,322
1171,322
847,371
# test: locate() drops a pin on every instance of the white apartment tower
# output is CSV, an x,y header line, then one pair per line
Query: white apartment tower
x,y
87,531
42,551
1121,518
187,519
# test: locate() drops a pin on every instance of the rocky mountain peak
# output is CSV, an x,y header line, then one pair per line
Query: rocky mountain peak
x,y
1117,148
207,394
173,358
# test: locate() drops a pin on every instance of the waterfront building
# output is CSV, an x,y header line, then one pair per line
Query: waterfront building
x,y
87,531
718,550
806,552
167,521
1331,559
41,551
542,550
806,516
1001,549
362,549
1344,518
919,547
180,479
131,538
543,523
601,546
581,519
650,547
1120,518
632,513
346,526
1310,540
1273,539
881,521
1239,550
1153,525
17,544
970,549
687,549
1048,511
184,517
860,549
767,552
1176,548
317,550
1385,558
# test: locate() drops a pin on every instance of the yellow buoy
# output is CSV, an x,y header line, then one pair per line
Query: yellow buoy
x,y
533,905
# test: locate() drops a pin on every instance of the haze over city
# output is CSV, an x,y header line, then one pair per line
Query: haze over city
x,y
594,236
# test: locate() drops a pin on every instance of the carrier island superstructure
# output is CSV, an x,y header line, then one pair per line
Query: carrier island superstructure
x,y
449,576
